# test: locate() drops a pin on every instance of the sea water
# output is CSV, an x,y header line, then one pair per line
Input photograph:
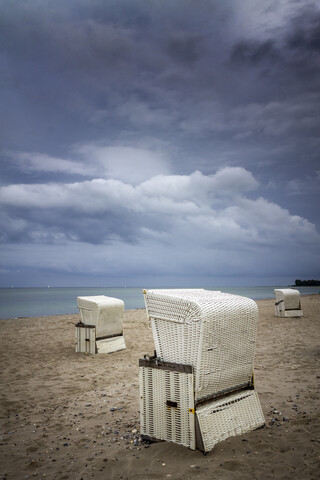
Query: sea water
x,y
38,302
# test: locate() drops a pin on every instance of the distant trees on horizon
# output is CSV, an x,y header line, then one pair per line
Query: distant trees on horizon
x,y
307,283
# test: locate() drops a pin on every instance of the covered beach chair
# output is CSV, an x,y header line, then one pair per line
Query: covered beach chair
x,y
288,303
198,389
101,328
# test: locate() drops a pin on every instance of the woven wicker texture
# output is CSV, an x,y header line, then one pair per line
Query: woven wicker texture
x,y
157,418
213,331
234,415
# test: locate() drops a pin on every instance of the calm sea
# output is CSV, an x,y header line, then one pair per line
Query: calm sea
x,y
37,302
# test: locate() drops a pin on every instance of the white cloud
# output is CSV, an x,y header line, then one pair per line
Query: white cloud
x,y
169,226
91,196
228,181
126,163
41,162
211,210
129,164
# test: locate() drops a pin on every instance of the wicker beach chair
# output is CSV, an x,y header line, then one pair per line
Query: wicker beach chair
x,y
198,389
101,328
288,303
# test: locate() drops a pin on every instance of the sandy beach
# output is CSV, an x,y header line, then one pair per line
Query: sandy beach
x,y
67,415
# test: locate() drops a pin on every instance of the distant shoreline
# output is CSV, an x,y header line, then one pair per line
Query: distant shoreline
x,y
76,314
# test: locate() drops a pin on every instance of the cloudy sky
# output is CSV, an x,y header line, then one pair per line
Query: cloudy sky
x,y
159,142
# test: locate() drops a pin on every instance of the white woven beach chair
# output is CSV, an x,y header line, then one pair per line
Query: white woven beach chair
x,y
101,329
288,303
198,389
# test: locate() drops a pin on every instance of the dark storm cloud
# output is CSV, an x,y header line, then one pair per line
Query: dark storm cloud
x,y
293,53
304,34
186,49
255,52
136,132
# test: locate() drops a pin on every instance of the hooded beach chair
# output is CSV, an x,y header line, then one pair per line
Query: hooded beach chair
x,y
287,303
101,328
198,389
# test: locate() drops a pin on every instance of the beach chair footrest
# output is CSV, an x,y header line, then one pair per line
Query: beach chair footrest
x,y
110,345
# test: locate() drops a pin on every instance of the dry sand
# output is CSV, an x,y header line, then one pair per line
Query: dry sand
x,y
67,415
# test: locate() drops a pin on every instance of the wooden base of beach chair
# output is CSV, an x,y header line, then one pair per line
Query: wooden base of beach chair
x,y
85,338
86,341
168,410
167,402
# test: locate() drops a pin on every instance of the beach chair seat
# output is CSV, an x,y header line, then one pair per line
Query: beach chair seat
x,y
199,388
101,328
287,303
